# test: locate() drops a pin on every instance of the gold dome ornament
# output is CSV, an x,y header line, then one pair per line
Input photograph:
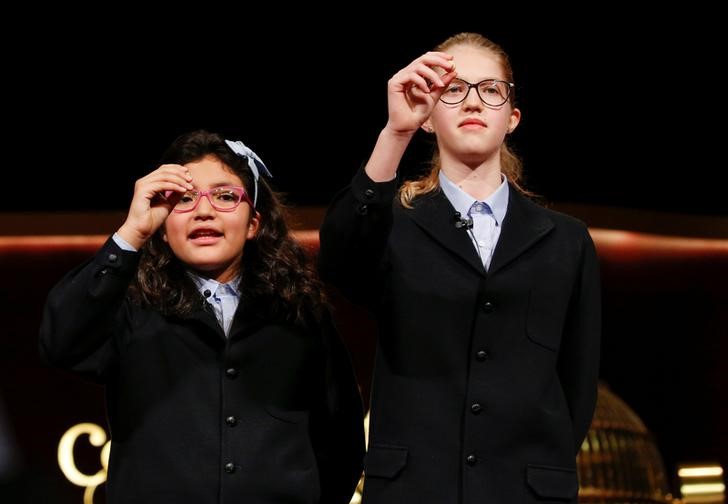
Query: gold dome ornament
x,y
619,461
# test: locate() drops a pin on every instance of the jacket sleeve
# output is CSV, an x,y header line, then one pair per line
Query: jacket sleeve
x,y
580,349
354,235
84,310
337,425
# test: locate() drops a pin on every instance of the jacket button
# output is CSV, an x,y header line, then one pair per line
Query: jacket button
x,y
113,257
103,271
231,421
231,373
363,209
482,355
476,408
488,307
369,193
471,459
229,468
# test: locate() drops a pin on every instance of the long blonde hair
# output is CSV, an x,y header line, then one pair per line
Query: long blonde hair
x,y
510,163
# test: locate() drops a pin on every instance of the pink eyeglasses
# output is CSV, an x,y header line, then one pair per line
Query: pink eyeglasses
x,y
222,199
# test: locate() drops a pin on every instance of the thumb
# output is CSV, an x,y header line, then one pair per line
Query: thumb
x,y
436,91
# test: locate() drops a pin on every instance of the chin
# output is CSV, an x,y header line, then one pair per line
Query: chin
x,y
474,157
478,152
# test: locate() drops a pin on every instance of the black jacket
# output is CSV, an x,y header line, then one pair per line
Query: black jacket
x,y
485,383
271,414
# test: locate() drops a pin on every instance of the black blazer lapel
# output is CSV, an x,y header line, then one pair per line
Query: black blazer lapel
x,y
524,225
436,216
205,316
246,319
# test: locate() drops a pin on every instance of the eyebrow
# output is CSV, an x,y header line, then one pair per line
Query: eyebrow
x,y
480,80
224,184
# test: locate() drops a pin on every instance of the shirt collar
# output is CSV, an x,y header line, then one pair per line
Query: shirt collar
x,y
204,284
462,201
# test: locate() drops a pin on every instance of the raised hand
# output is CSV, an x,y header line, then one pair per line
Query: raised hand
x,y
155,195
413,91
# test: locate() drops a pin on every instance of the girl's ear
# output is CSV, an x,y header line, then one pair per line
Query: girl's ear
x,y
514,119
253,226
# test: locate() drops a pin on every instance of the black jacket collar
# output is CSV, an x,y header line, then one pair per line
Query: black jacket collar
x,y
524,225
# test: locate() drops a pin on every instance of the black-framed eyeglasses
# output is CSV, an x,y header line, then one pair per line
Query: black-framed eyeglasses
x,y
492,92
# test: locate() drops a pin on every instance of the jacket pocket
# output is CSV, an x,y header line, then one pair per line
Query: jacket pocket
x,y
552,482
385,461
545,319
284,415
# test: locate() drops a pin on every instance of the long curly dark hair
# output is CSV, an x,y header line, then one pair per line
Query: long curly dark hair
x,y
278,280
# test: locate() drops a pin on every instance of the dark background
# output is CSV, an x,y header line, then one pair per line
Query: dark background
x,y
617,111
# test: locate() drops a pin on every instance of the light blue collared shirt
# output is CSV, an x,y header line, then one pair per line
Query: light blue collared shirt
x,y
487,216
224,298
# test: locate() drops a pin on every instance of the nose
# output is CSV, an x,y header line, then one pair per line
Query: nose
x,y
204,206
472,100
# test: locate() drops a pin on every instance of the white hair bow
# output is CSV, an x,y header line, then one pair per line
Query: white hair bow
x,y
254,162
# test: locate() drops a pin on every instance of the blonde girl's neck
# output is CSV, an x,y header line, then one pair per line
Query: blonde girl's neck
x,y
478,181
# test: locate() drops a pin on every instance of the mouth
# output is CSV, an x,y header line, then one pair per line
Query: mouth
x,y
205,236
472,124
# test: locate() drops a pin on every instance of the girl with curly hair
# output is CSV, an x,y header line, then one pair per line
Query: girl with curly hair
x,y
225,379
